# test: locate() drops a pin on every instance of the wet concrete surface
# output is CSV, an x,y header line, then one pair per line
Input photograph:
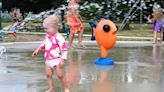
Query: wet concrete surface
x,y
137,68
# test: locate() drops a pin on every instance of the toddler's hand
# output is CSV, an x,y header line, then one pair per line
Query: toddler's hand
x,y
61,64
35,53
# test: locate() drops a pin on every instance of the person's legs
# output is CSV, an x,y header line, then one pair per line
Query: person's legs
x,y
71,36
155,37
60,75
13,29
80,35
14,34
49,74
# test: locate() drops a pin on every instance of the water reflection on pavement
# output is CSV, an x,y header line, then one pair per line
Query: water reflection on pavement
x,y
136,69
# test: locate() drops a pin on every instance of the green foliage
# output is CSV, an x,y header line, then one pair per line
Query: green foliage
x,y
114,9
117,9
90,12
161,2
35,6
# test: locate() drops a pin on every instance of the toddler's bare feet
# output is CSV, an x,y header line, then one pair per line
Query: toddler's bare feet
x,y
66,90
154,42
50,90
81,46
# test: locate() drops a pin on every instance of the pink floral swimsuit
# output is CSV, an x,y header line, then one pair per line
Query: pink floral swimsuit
x,y
54,46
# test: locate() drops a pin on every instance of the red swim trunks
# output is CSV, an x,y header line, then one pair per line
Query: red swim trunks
x,y
74,25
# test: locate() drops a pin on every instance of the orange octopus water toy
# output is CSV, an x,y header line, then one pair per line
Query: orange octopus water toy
x,y
105,35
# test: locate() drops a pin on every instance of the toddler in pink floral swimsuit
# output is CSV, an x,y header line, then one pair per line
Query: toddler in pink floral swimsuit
x,y
55,51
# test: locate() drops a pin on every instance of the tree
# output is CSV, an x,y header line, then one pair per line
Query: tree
x,y
161,2
34,6
117,9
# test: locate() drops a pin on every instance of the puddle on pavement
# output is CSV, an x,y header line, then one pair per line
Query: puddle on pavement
x,y
136,69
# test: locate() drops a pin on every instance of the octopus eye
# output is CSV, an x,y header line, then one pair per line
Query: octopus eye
x,y
106,28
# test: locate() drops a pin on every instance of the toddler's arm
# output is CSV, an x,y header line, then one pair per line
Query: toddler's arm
x,y
62,45
35,52
41,47
63,49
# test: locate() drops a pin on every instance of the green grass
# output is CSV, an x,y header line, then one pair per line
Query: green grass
x,y
135,30
5,24
139,30
136,33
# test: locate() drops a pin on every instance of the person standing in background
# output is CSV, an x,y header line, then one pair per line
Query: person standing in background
x,y
15,15
74,20
157,18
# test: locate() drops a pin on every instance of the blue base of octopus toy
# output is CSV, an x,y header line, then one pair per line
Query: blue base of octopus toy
x,y
104,61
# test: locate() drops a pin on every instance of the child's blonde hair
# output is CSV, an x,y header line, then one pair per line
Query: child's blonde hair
x,y
158,14
52,20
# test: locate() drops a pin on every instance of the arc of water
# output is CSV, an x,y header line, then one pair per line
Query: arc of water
x,y
41,15
125,19
2,50
131,15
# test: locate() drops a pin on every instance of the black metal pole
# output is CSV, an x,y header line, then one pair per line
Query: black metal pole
x,y
1,35
163,36
62,18
0,20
